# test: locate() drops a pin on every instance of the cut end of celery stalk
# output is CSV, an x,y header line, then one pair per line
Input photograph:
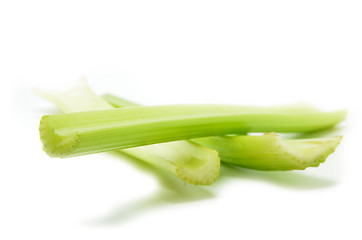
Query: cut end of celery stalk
x,y
312,152
198,172
188,161
56,145
269,152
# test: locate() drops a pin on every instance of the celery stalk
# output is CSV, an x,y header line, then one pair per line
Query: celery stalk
x,y
187,160
119,102
270,152
264,152
79,133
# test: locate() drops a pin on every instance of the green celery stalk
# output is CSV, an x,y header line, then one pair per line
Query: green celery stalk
x,y
264,152
119,102
79,133
187,160
270,152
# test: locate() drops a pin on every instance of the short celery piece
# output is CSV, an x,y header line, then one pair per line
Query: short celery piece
x,y
187,160
270,152
266,152
79,133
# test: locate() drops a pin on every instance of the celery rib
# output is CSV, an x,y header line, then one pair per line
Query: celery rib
x,y
73,134
269,152
301,107
187,160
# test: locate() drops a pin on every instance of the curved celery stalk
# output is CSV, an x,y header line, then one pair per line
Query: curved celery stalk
x,y
189,161
301,107
73,134
264,152
270,152
119,102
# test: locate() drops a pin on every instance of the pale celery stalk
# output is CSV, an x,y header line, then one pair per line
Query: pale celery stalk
x,y
73,134
270,152
189,161
264,152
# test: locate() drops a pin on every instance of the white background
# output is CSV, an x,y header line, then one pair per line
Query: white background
x,y
164,52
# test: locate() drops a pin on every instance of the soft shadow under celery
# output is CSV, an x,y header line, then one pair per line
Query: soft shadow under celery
x,y
172,190
296,180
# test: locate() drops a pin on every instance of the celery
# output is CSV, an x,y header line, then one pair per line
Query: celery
x,y
79,133
119,102
189,161
268,151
